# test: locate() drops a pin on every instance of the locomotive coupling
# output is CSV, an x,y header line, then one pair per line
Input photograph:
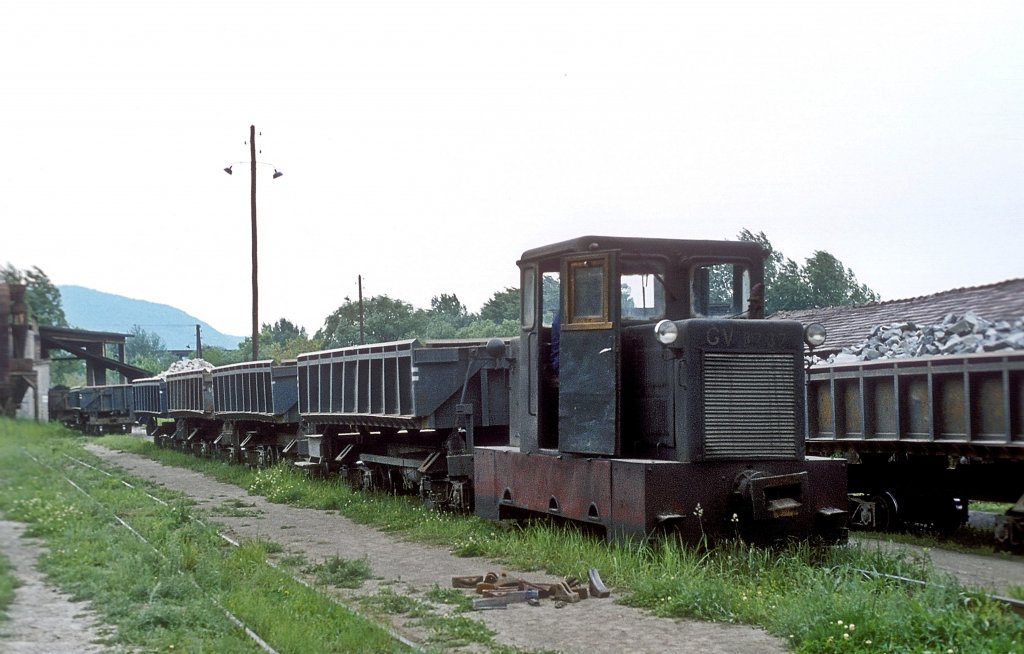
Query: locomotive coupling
x,y
770,497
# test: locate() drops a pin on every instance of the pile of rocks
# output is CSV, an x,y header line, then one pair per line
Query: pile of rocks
x,y
956,334
186,364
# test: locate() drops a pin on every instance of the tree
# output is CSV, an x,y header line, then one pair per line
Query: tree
x,y
821,282
41,296
503,305
447,315
448,306
219,356
830,284
489,329
281,341
44,307
384,318
147,351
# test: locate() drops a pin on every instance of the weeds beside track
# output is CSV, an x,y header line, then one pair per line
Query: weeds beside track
x,y
162,580
817,598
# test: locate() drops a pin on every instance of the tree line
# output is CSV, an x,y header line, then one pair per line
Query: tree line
x,y
820,281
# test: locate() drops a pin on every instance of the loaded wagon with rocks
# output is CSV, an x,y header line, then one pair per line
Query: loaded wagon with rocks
x,y
243,413
929,413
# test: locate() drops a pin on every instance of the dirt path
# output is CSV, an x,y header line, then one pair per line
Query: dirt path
x,y
590,627
994,574
41,620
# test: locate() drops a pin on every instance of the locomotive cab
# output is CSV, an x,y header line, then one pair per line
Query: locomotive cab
x,y
588,311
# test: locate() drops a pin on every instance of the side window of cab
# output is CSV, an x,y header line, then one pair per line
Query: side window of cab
x,y
587,297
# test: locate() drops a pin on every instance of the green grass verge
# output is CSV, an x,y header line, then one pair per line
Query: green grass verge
x,y
341,572
991,507
814,597
8,582
162,601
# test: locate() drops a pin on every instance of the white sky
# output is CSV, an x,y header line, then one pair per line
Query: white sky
x,y
425,145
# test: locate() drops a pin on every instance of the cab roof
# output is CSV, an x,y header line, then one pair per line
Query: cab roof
x,y
669,247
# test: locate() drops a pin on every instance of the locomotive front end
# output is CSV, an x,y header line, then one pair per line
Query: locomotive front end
x,y
737,421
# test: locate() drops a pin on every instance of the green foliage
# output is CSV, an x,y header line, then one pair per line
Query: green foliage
x,y
8,583
821,282
166,601
41,296
281,484
450,308
384,319
340,572
219,356
489,329
281,341
503,305
44,307
147,350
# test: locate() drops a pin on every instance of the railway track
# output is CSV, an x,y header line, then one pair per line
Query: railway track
x,y
258,640
1014,604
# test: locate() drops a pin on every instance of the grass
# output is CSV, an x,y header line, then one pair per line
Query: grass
x,y
814,597
236,508
965,539
165,599
340,572
8,583
991,507
449,631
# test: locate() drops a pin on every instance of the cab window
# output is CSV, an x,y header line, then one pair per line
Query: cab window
x,y
643,290
588,292
719,290
528,305
551,297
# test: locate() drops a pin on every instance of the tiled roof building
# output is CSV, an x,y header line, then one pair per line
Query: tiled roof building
x,y
848,326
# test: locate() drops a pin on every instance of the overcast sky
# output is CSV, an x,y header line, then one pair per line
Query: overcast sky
x,y
426,145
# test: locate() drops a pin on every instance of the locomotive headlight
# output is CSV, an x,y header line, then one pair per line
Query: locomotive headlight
x,y
815,334
666,332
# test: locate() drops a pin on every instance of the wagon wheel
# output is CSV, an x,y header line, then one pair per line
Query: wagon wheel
x,y
886,511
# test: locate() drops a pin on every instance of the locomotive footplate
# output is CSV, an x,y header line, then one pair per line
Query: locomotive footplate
x,y
634,498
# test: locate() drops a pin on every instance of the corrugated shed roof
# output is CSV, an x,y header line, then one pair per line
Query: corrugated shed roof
x,y
850,325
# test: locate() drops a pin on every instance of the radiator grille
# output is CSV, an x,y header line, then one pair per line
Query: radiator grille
x,y
749,406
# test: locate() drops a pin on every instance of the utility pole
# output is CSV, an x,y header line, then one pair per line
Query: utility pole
x,y
255,282
362,338
255,259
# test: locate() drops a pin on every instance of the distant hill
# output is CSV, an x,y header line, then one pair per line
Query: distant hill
x,y
86,308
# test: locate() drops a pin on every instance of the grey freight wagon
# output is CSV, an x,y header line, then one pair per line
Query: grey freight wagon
x,y
405,414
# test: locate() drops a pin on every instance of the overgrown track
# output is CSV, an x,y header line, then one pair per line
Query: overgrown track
x,y
251,633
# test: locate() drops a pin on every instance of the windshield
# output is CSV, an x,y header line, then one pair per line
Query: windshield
x,y
719,290
643,289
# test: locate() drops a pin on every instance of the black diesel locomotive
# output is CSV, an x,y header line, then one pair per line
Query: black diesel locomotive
x,y
642,394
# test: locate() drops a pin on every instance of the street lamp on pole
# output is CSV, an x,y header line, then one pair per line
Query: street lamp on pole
x,y
255,276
